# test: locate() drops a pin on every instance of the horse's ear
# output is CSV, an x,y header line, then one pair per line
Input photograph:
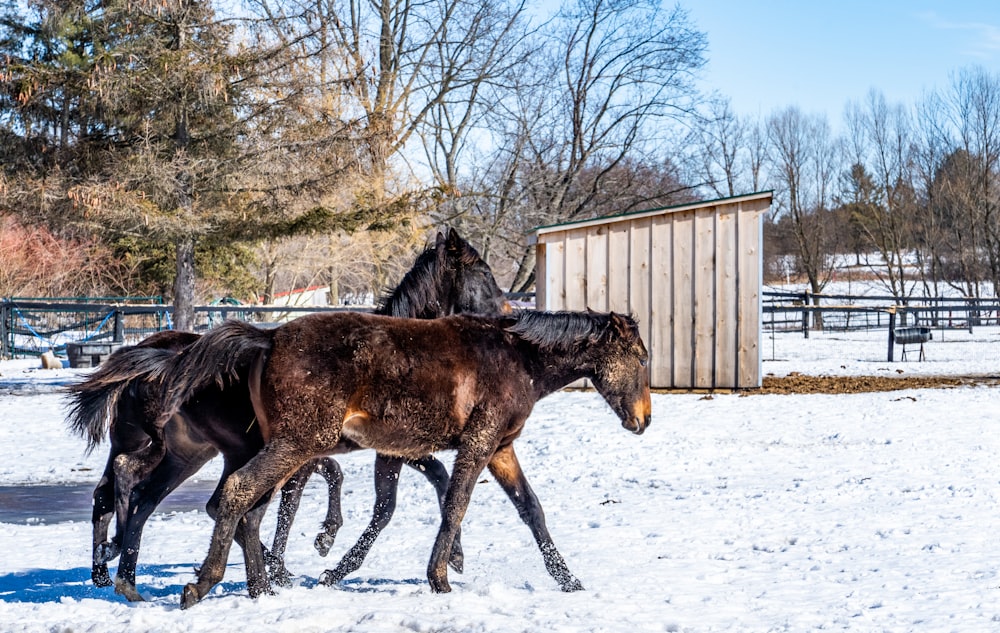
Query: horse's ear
x,y
439,242
623,325
454,241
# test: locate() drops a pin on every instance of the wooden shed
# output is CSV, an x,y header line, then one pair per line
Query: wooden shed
x,y
690,274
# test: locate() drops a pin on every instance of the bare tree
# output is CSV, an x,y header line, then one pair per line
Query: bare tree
x,y
975,115
881,146
607,82
721,138
803,168
960,158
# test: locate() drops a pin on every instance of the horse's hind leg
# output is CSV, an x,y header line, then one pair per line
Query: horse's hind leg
x,y
291,495
386,480
248,537
435,472
256,558
103,509
144,498
507,471
129,470
334,476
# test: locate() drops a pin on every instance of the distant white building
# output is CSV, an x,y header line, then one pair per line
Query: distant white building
x,y
303,297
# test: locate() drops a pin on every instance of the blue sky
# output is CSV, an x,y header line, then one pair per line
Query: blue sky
x,y
818,55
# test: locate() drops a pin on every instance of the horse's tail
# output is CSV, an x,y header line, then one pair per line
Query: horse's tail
x,y
93,403
223,356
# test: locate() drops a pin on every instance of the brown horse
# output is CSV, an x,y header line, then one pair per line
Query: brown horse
x,y
408,388
449,277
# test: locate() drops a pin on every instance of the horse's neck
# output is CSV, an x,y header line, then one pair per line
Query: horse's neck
x,y
555,370
410,305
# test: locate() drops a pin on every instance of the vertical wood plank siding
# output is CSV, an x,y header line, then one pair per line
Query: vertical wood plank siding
x,y
690,274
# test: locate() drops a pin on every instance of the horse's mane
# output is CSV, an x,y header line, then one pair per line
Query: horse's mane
x,y
417,289
561,330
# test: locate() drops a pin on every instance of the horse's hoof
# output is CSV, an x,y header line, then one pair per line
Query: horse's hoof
x,y
276,572
100,576
330,577
572,585
323,542
257,591
127,590
190,596
440,586
281,577
106,552
457,562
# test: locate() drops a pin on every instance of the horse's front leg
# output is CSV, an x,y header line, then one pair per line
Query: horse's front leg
x,y
386,483
334,476
435,472
507,471
468,465
238,494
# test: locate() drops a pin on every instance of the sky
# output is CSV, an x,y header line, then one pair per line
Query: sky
x,y
766,55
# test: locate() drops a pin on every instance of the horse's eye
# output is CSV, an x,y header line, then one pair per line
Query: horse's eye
x,y
643,362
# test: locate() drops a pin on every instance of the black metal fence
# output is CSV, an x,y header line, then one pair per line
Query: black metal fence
x,y
803,312
30,327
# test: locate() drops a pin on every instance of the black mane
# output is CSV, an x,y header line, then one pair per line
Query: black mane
x,y
422,292
560,330
417,291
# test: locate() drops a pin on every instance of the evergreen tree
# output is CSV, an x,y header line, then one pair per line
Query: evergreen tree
x,y
160,122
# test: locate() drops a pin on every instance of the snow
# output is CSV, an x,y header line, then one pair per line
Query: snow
x,y
859,512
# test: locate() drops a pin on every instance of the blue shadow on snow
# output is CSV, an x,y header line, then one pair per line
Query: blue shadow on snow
x,y
52,585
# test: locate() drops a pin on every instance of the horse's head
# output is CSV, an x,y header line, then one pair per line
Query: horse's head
x,y
447,278
466,280
621,374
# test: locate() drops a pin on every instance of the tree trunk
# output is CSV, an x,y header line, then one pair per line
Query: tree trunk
x,y
184,286
525,276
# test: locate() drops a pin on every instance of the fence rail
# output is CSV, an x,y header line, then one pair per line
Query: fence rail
x,y
29,328
803,312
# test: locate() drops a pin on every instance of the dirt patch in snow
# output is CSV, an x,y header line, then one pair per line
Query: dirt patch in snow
x,y
800,383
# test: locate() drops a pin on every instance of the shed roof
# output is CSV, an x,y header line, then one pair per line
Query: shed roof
x,y
635,215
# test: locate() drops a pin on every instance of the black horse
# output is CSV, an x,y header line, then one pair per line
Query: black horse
x,y
406,388
449,277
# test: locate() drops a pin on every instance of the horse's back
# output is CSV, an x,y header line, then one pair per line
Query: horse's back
x,y
405,386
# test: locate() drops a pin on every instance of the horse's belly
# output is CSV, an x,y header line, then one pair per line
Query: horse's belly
x,y
393,435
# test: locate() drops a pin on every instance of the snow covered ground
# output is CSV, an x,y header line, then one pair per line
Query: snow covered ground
x,y
860,512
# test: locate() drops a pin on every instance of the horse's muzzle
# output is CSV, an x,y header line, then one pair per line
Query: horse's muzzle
x,y
641,416
637,424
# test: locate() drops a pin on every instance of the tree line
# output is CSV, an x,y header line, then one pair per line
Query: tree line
x,y
192,148
909,194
